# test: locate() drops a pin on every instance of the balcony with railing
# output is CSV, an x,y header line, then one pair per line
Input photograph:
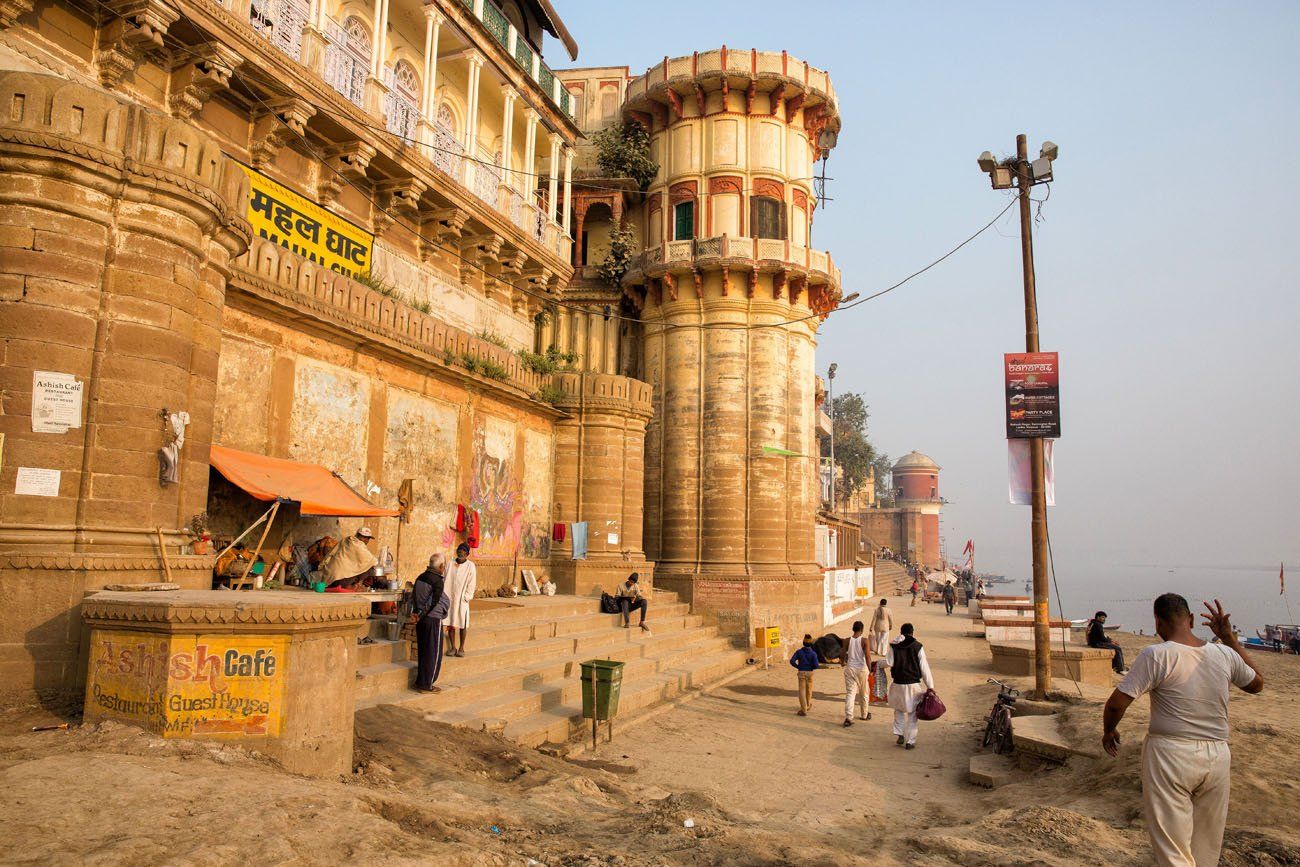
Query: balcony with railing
x,y
765,254
346,68
500,28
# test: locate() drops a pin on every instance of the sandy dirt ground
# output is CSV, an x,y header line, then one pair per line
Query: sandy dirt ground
x,y
759,785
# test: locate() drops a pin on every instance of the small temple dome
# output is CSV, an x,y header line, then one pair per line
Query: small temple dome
x,y
914,460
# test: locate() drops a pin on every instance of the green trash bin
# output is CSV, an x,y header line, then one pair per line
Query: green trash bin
x,y
601,703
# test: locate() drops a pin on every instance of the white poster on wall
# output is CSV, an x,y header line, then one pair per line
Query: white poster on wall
x,y
56,402
38,482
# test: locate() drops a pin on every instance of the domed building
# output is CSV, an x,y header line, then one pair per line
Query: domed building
x,y
911,525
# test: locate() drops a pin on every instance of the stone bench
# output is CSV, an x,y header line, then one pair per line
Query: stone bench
x,y
1022,629
1076,662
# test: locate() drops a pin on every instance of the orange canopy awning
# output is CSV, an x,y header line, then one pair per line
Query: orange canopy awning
x,y
315,489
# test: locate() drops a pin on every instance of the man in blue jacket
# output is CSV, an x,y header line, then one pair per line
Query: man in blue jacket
x,y
804,661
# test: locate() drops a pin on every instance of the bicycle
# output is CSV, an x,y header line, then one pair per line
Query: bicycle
x,y
998,731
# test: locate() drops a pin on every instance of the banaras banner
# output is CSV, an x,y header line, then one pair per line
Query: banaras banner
x,y
1033,394
188,685
283,217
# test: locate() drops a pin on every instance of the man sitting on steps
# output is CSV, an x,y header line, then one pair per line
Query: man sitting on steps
x,y
630,599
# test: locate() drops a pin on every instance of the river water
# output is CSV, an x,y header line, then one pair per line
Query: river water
x,y
1125,593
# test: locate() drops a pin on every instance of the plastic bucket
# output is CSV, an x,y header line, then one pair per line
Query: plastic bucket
x,y
601,702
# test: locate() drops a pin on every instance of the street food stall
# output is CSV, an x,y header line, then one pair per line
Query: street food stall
x,y
314,491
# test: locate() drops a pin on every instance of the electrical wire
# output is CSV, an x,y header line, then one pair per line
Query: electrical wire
x,y
546,298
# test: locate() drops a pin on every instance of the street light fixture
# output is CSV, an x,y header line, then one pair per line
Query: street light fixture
x,y
1020,172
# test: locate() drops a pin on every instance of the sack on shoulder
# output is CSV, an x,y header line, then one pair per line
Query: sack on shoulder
x,y
608,604
930,707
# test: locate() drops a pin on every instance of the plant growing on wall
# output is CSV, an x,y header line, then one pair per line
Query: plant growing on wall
x,y
548,362
549,394
492,337
619,258
379,284
624,152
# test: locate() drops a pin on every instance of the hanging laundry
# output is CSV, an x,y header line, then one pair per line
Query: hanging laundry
x,y
459,524
472,528
557,533
579,540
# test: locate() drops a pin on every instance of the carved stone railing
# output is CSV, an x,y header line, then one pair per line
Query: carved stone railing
x,y
276,274
742,61
764,253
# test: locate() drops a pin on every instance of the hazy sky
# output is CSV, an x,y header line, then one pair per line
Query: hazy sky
x,y
1168,258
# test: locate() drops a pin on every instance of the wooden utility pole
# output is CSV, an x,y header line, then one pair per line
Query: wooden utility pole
x,y
1038,488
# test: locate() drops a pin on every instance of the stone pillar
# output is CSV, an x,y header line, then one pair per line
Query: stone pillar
x,y
507,135
428,109
599,478
471,119
529,179
376,89
273,672
116,238
568,191
552,191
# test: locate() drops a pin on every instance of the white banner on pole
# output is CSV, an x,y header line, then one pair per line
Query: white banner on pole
x,y
1019,479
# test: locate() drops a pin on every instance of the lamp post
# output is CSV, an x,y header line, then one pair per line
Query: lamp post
x,y
830,377
1022,173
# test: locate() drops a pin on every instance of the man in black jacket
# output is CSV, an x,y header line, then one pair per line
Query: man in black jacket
x,y
427,612
1097,638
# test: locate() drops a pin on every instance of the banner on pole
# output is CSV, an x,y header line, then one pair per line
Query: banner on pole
x,y
1033,394
1019,472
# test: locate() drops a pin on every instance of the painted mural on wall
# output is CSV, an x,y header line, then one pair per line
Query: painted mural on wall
x,y
495,488
222,686
538,478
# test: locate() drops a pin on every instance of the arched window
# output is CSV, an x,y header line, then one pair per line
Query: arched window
x,y
408,83
402,105
446,142
347,59
767,217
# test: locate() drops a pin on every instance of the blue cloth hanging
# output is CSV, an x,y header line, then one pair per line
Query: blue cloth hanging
x,y
579,540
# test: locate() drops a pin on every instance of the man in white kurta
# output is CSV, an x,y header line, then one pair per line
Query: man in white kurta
x,y
1186,765
910,671
462,583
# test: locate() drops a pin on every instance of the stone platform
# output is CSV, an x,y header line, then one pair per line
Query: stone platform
x,y
521,670
1074,662
268,671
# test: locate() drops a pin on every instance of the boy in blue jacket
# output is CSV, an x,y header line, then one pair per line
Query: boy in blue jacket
x,y
804,661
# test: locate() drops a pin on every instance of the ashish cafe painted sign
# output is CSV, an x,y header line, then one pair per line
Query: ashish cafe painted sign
x,y
188,686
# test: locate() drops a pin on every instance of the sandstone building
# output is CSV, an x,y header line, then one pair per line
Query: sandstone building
x,y
343,233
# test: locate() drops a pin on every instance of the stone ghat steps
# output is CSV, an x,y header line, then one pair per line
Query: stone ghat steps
x,y
889,577
522,672
391,680
513,695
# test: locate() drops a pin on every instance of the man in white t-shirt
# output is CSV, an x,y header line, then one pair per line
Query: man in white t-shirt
x,y
1185,761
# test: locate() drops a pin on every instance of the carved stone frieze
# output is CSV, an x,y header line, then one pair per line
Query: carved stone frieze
x,y
12,10
197,78
345,164
134,33
283,122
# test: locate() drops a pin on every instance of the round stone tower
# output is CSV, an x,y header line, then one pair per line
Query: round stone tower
x,y
731,295
916,478
916,493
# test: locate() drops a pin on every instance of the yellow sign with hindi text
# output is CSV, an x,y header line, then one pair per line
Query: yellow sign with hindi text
x,y
286,218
